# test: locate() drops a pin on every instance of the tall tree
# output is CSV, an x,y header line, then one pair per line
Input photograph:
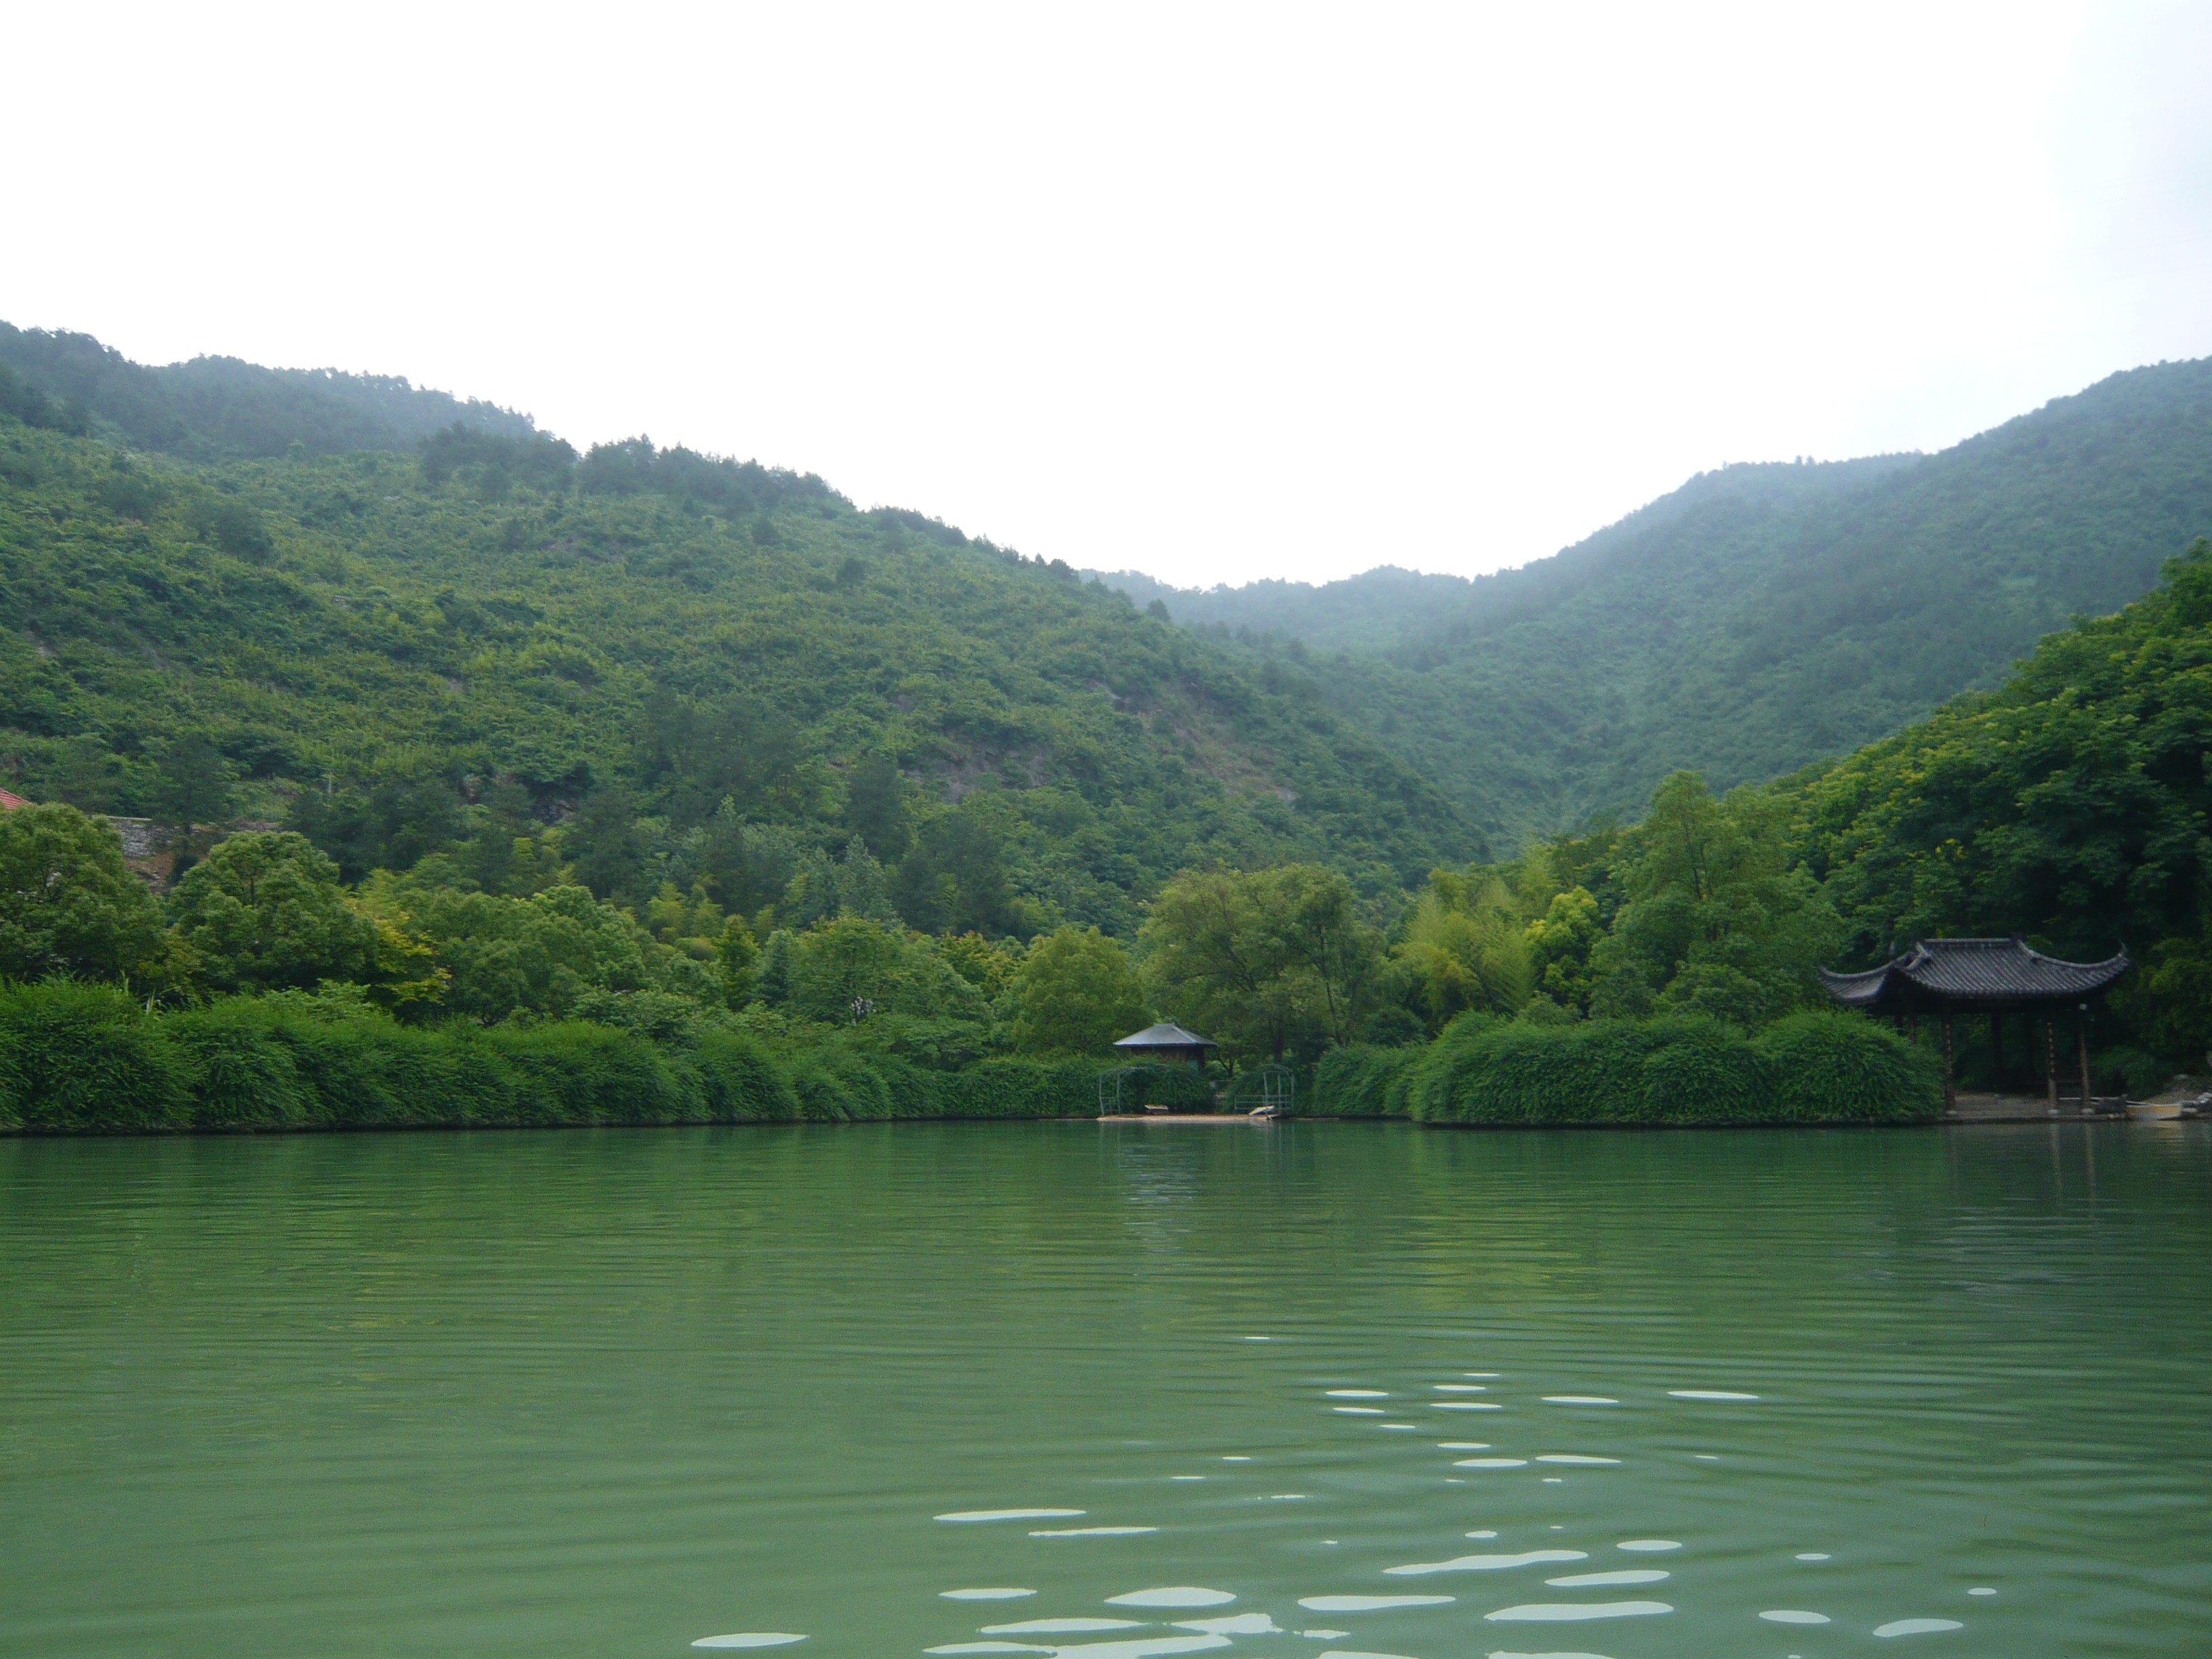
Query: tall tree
x,y
1465,947
68,902
602,837
875,806
195,778
1276,962
1075,993
1716,920
264,912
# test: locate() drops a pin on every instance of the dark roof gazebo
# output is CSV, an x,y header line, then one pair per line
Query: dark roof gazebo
x,y
1944,978
1167,1044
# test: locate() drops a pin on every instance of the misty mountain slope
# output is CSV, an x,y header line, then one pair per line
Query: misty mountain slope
x,y
214,409
1372,612
1765,616
1387,609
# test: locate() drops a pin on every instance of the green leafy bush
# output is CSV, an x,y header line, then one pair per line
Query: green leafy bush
x,y
835,1086
1705,1071
369,1071
568,1072
77,1057
1588,1072
2137,1070
1825,1066
742,1084
1012,1088
1814,1067
243,1077
1360,1081
86,1057
89,1057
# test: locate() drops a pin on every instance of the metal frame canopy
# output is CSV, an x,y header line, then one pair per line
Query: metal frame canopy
x,y
1166,1041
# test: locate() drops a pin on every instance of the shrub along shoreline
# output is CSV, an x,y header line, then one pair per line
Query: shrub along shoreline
x,y
1814,1067
88,1059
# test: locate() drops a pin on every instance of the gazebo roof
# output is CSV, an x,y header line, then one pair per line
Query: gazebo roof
x,y
1984,973
1165,1035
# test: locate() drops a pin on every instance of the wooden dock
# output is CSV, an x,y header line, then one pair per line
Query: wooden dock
x,y
2032,1108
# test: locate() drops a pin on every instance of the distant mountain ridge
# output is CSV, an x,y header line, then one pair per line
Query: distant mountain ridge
x,y
1371,611
1761,617
1388,608
221,408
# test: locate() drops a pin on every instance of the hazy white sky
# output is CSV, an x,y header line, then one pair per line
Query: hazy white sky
x,y
1218,292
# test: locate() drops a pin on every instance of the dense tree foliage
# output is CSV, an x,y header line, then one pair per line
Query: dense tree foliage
x,y
529,669
1467,947
2073,807
264,912
1274,963
67,905
1712,919
1075,993
491,956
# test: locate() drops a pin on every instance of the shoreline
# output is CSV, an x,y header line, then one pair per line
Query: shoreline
x,y
233,1131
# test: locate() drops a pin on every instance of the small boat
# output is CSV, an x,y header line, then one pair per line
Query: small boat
x,y
2161,1111
1268,1112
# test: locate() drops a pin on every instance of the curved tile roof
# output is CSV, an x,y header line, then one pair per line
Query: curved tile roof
x,y
1985,970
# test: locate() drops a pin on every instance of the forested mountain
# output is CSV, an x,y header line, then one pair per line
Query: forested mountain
x,y
623,639
650,785
708,673
1371,612
1762,617
219,408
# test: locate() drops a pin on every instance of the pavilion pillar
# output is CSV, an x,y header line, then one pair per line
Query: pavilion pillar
x,y
1950,1084
2082,1027
2050,1054
1996,1047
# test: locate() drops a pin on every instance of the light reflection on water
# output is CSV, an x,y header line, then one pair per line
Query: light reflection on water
x,y
619,1392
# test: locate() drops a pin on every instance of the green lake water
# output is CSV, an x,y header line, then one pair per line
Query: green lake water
x,y
609,1393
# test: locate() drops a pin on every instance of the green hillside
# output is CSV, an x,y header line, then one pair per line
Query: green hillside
x,y
221,409
2071,805
1762,617
705,672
